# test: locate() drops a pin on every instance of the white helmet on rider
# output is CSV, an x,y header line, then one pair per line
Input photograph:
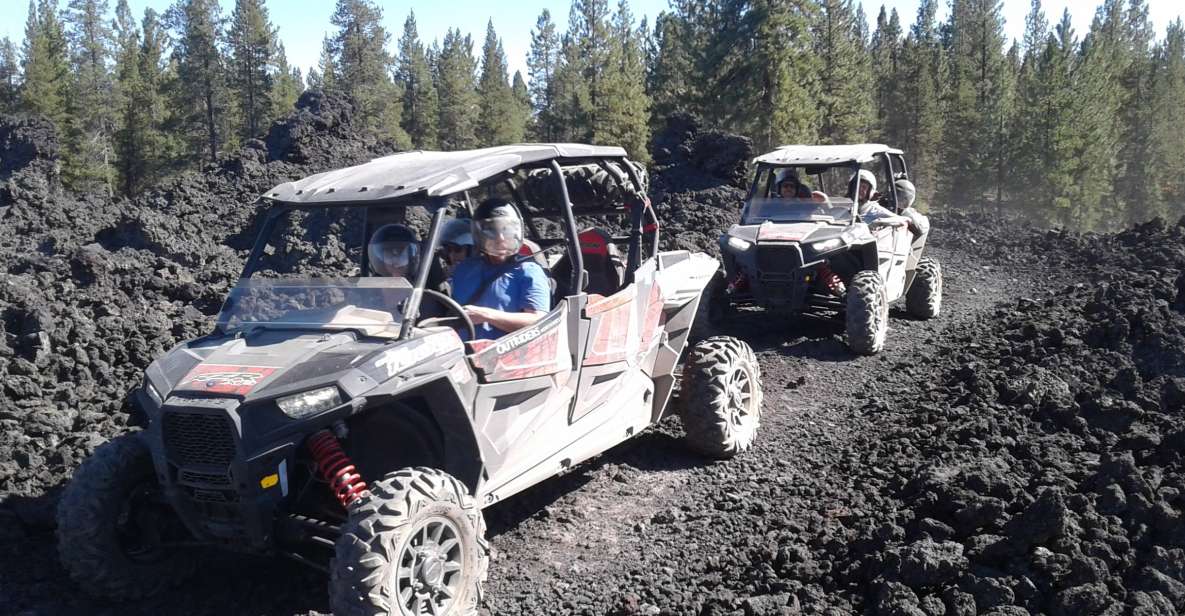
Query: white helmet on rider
x,y
854,183
497,228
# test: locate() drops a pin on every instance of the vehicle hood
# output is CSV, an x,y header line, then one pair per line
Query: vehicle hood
x,y
267,363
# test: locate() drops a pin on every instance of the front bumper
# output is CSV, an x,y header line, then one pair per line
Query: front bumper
x,y
215,485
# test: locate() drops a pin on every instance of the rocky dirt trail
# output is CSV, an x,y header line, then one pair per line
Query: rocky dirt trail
x,y
652,528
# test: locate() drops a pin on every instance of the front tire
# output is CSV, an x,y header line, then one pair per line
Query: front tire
x,y
924,298
110,524
721,397
867,313
418,538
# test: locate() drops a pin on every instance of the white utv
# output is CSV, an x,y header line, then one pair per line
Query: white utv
x,y
337,417
821,250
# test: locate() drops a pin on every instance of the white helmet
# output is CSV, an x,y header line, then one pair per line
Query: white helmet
x,y
864,176
498,228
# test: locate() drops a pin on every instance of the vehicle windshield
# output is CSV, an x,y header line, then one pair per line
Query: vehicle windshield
x,y
370,305
780,210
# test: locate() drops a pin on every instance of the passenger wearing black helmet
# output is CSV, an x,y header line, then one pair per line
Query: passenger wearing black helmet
x,y
394,250
501,293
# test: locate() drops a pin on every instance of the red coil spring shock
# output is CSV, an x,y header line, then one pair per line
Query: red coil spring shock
x,y
831,280
336,468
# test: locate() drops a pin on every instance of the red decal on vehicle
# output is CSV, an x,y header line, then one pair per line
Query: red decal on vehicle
x,y
223,379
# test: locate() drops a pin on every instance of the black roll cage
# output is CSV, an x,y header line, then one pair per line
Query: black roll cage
x,y
643,222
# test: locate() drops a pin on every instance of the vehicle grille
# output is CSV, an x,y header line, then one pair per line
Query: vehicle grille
x,y
778,259
198,438
206,479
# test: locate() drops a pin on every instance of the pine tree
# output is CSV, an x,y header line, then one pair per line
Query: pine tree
x,y
324,77
456,85
522,99
45,64
498,118
9,77
571,97
144,150
129,165
1050,183
1028,130
588,25
1167,86
1133,187
886,49
672,73
542,61
783,61
624,108
252,45
421,109
1104,57
846,94
90,101
976,98
200,98
362,67
287,85
921,110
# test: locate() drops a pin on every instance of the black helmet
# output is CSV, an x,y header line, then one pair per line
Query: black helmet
x,y
394,250
497,228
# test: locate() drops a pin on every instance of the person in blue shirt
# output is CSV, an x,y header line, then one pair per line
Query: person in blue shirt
x,y
500,293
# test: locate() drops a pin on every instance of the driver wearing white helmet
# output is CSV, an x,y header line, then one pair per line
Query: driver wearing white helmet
x,y
862,189
501,293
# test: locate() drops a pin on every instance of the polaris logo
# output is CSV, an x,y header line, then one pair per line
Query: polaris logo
x,y
517,339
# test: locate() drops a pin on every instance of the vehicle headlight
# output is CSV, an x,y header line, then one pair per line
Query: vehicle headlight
x,y
299,406
826,245
152,392
737,243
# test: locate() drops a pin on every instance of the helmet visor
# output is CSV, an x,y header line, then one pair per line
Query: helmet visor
x,y
499,237
394,258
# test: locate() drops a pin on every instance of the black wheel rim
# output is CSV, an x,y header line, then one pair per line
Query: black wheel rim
x,y
429,570
739,390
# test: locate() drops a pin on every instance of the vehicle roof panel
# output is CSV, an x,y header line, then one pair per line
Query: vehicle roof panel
x,y
824,154
434,173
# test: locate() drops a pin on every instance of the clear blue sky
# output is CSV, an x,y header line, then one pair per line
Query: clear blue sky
x,y
303,23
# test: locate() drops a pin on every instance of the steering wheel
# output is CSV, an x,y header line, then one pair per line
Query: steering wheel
x,y
452,305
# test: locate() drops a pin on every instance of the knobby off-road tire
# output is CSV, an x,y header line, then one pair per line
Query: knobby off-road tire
x,y
722,397
712,310
924,298
588,185
419,536
867,313
107,518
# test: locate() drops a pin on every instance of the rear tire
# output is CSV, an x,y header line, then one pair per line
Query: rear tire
x,y
109,515
867,313
418,537
721,397
924,298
